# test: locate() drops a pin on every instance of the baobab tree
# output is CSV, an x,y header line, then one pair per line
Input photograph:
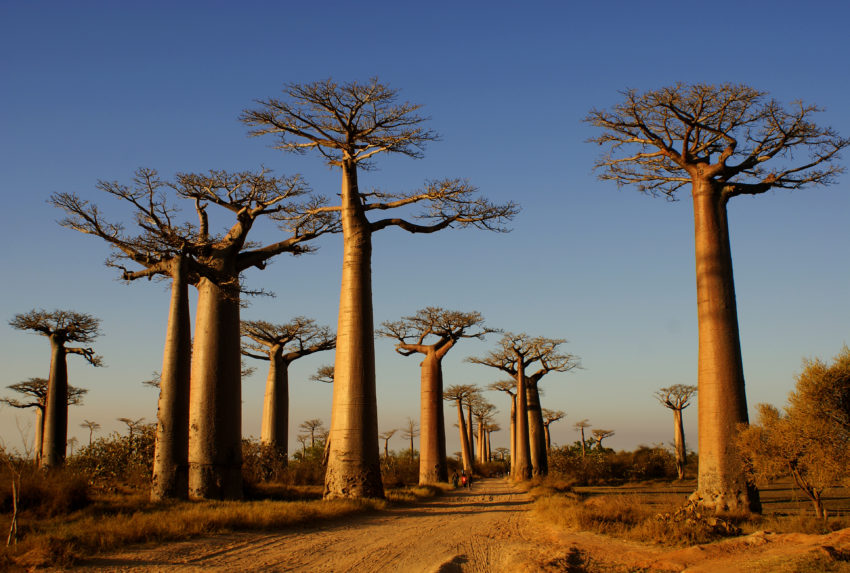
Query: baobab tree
x,y
677,398
213,263
280,345
314,427
724,141
61,327
509,388
458,393
579,427
92,428
483,412
348,125
325,374
432,332
599,435
386,437
36,391
132,425
410,431
515,355
550,416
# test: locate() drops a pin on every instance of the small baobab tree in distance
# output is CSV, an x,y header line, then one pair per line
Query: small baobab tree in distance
x,y
579,427
92,428
509,388
550,416
61,327
386,437
432,332
599,435
410,431
348,125
723,141
282,344
36,390
314,427
459,393
677,398
515,355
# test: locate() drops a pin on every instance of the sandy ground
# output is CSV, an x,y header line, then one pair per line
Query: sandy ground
x,y
487,529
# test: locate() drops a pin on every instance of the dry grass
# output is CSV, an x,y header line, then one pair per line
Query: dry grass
x,y
109,524
412,494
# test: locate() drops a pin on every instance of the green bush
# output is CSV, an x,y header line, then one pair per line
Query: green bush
x,y
116,458
606,466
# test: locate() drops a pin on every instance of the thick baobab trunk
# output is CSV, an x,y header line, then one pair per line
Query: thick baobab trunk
x,y
722,403
274,431
536,431
548,438
465,450
353,459
522,466
171,453
215,431
679,442
481,442
432,437
39,435
56,408
513,431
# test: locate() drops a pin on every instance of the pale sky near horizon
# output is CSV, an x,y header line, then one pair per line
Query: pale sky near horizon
x,y
93,90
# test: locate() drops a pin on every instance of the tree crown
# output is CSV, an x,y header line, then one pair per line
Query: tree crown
x,y
522,350
434,327
36,390
676,397
299,337
661,140
62,327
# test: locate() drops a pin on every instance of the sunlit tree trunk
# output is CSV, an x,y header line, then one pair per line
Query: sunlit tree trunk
x,y
470,430
354,459
465,450
536,431
522,466
722,402
513,431
274,431
215,435
432,437
171,452
679,443
56,408
39,435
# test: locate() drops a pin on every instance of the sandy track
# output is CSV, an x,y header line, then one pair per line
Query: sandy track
x,y
478,530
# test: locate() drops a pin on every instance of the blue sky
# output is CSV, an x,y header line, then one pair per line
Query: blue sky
x,y
94,90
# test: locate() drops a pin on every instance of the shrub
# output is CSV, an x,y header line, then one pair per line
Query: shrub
x,y
114,459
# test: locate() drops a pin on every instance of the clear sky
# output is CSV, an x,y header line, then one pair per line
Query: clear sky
x,y
94,90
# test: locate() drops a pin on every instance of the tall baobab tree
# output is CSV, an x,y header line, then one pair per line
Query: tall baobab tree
x,y
550,416
92,428
282,344
599,435
36,390
348,125
314,427
677,398
509,388
191,254
432,332
579,427
483,412
722,141
410,431
458,393
61,327
515,355
386,437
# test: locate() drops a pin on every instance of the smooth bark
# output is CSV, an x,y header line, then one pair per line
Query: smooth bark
x,y
56,407
39,435
679,444
465,450
522,467
354,459
722,404
432,438
536,431
171,451
275,425
215,432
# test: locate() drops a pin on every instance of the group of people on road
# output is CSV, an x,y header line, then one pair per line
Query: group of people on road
x,y
462,479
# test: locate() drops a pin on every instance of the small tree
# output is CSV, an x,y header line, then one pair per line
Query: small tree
x,y
36,390
61,327
92,427
723,142
599,435
432,332
509,388
459,393
550,416
579,427
386,437
313,427
280,345
811,440
410,431
677,398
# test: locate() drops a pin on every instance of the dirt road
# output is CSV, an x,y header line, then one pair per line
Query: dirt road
x,y
482,529
488,529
